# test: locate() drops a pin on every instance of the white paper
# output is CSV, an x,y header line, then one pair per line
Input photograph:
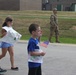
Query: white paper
x,y
12,36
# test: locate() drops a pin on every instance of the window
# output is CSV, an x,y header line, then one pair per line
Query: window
x,y
57,0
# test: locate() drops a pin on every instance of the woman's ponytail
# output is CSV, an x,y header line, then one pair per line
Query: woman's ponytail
x,y
4,24
7,20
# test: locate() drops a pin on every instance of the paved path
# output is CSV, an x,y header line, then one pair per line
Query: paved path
x,y
60,59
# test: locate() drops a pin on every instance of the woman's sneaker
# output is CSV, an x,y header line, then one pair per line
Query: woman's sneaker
x,y
2,70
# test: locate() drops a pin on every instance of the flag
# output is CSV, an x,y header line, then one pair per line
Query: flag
x,y
45,44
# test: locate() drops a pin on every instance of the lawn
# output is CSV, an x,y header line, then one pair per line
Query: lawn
x,y
22,20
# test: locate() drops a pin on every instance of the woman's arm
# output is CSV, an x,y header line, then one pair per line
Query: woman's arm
x,y
3,32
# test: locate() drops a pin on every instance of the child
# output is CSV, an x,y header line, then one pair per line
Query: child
x,y
34,52
8,46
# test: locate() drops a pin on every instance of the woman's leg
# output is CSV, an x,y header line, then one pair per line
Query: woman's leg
x,y
11,53
4,51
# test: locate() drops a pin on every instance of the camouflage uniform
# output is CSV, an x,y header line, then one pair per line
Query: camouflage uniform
x,y
54,27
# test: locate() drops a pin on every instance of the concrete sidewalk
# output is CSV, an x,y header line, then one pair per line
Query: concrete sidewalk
x,y
60,59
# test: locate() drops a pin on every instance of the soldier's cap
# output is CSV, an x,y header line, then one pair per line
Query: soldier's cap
x,y
54,9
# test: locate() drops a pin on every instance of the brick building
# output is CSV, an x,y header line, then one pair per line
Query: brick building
x,y
20,4
62,5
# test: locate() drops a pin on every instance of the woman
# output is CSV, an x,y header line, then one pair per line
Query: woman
x,y
7,46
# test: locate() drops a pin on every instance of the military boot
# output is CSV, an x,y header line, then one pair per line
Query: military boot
x,y
57,40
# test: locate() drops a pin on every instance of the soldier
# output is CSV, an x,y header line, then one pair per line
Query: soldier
x,y
54,26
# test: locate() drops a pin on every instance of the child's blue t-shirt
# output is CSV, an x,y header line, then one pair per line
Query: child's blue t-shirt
x,y
33,45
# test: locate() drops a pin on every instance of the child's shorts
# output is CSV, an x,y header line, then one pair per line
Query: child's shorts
x,y
5,45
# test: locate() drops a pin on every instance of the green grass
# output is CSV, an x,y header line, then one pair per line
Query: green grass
x,y
22,20
66,40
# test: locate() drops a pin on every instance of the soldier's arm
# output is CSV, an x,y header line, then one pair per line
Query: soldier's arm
x,y
52,20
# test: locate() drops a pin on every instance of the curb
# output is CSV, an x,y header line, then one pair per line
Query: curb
x,y
61,44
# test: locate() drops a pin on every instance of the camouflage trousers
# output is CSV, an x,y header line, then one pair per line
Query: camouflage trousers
x,y
54,29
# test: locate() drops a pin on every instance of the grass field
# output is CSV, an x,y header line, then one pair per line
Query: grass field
x,y
22,19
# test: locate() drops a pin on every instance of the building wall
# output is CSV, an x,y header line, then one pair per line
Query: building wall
x,y
20,4
35,4
30,4
65,4
9,4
